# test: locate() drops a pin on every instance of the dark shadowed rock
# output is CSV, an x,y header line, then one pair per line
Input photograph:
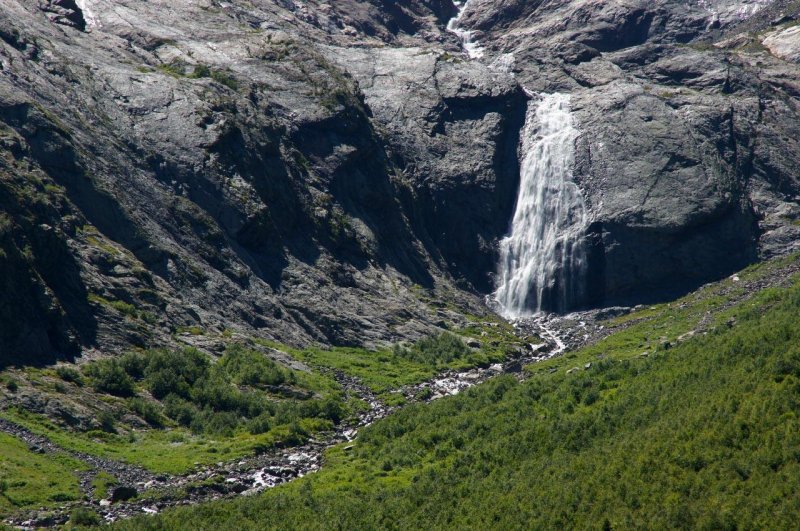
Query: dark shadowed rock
x,y
123,493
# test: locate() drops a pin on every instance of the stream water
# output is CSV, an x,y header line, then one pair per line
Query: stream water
x,y
251,475
543,259
471,47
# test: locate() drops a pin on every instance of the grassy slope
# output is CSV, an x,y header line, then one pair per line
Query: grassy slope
x,y
177,450
703,435
382,371
29,479
173,449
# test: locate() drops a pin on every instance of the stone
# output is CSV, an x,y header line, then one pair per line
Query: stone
x,y
473,343
123,493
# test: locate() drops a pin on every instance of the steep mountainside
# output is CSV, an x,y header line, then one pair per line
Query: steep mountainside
x,y
190,164
342,173
241,242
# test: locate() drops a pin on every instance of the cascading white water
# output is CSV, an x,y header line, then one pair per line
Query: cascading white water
x,y
543,260
473,49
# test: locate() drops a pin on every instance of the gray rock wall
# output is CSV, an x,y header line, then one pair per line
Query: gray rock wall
x,y
340,172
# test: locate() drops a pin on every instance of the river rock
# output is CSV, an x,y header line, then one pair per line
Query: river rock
x,y
123,493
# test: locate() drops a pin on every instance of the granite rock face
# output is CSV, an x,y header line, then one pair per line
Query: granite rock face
x,y
341,172
687,113
198,165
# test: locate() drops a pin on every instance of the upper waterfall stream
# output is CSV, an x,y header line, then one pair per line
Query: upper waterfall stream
x,y
543,260
473,49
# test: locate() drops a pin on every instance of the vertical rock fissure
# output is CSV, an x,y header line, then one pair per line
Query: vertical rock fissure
x,y
543,259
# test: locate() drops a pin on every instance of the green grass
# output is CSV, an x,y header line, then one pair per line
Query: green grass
x,y
103,483
380,370
172,451
243,387
651,328
702,435
122,307
30,480
389,369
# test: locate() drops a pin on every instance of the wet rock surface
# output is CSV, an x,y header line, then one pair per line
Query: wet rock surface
x,y
681,107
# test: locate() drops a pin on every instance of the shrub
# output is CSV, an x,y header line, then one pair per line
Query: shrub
x,y
259,425
180,410
435,350
221,423
246,367
225,79
134,364
69,374
107,422
109,376
82,516
170,372
149,411
201,71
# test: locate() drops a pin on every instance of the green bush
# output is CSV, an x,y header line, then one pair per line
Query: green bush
x,y
107,422
705,435
246,367
260,424
215,422
216,399
149,411
109,376
174,372
134,364
69,374
84,517
201,71
225,79
435,351
181,411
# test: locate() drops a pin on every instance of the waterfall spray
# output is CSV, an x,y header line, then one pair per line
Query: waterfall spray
x,y
543,260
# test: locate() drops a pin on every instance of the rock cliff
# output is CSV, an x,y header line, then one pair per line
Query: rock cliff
x,y
340,172
688,114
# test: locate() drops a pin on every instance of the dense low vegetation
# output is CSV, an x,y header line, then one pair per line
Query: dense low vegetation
x,y
391,368
700,432
242,390
196,410
28,478
239,390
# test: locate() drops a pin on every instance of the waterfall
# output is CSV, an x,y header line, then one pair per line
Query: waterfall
x,y
543,259
473,49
